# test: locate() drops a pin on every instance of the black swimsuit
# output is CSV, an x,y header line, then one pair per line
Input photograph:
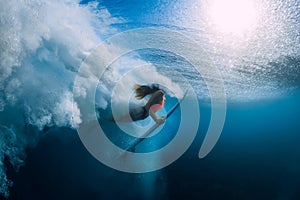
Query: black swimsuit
x,y
139,113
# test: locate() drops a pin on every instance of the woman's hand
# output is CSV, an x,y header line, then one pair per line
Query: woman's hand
x,y
160,120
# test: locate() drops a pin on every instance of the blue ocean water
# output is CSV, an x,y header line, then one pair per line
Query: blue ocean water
x,y
44,44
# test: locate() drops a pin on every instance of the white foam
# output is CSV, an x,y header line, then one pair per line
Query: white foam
x,y
42,45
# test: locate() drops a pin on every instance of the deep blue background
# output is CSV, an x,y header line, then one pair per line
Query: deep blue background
x,y
257,157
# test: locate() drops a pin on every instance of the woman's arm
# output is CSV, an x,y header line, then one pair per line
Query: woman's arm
x,y
152,113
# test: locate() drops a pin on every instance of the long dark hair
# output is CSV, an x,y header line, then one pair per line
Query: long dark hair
x,y
143,90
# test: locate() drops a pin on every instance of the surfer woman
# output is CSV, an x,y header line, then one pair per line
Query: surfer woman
x,y
155,103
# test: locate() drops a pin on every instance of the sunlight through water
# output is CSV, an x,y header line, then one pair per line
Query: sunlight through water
x,y
233,16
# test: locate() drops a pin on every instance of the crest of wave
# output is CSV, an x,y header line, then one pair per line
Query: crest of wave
x,y
41,47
